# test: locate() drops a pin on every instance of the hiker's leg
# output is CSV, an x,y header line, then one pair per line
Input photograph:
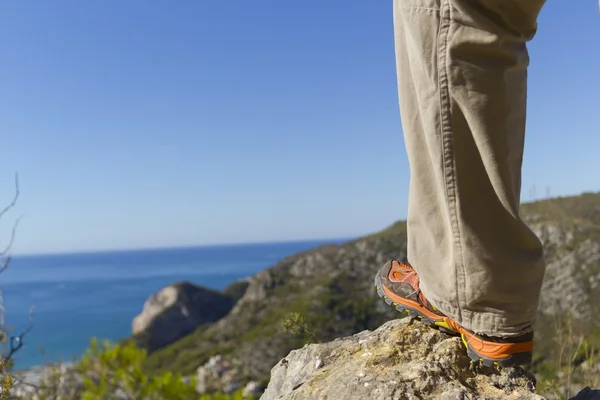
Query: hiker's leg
x,y
462,87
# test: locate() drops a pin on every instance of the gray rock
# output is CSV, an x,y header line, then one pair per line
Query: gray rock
x,y
177,310
58,381
252,388
216,374
400,360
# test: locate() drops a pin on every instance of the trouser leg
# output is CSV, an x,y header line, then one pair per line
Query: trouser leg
x,y
462,81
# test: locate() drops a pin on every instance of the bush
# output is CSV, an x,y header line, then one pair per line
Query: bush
x,y
114,371
6,379
295,325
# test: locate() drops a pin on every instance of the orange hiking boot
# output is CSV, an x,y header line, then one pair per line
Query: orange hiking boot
x,y
398,284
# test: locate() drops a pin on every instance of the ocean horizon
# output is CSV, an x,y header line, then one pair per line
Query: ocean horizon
x,y
82,295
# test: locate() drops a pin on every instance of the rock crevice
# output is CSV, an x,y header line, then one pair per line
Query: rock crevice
x,y
400,360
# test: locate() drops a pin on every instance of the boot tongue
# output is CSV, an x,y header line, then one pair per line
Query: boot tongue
x,y
403,273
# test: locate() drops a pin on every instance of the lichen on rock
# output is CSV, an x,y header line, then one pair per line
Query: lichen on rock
x,y
400,360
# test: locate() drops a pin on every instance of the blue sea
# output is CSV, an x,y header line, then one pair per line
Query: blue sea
x,y
78,296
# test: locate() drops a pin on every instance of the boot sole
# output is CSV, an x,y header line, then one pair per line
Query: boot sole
x,y
511,361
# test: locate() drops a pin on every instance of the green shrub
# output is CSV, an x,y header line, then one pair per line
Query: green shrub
x,y
6,379
295,325
109,368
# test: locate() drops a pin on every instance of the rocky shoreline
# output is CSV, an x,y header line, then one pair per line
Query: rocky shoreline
x,y
29,381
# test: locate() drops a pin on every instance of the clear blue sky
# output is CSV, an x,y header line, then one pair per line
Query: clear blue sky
x,y
141,124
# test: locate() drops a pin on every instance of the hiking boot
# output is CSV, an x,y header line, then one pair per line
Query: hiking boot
x,y
398,284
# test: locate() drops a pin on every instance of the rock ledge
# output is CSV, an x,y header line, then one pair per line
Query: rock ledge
x,y
399,360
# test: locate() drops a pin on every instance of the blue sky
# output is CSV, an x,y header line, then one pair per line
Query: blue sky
x,y
141,124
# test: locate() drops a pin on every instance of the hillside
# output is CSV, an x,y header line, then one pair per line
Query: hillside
x,y
331,290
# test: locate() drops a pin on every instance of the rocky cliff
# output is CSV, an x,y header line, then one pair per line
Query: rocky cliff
x,y
400,360
327,293
177,310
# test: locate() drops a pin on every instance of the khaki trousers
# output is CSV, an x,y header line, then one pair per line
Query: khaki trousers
x,y
462,81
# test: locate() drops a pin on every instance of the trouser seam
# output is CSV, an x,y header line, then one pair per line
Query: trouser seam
x,y
420,8
448,156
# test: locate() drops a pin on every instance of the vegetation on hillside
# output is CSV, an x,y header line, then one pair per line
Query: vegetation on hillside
x,y
327,293
114,371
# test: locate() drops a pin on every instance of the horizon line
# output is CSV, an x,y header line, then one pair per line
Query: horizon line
x,y
181,247
261,242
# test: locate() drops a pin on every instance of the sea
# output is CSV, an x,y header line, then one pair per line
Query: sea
x,y
79,296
